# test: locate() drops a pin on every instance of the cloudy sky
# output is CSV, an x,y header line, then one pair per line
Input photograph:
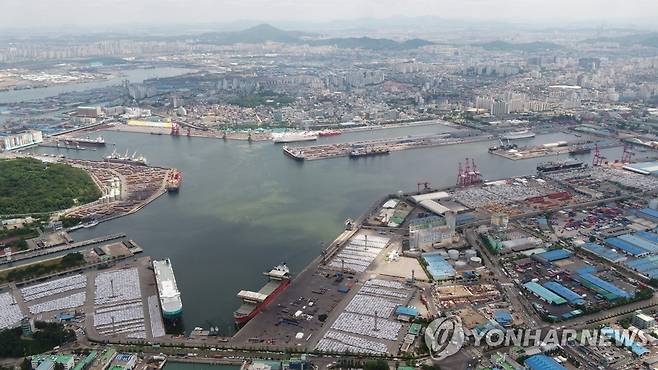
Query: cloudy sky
x,y
32,13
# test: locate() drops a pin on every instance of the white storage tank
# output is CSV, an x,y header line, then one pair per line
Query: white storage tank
x,y
453,254
460,264
470,253
475,261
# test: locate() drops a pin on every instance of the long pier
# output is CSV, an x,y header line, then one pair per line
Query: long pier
x,y
379,146
33,253
551,149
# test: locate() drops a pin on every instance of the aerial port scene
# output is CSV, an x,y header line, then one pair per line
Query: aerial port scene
x,y
359,184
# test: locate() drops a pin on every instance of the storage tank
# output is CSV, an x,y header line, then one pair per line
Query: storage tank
x,y
460,264
443,253
475,261
453,254
470,253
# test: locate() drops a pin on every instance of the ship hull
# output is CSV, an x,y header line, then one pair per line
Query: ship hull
x,y
294,140
172,315
240,320
84,143
292,155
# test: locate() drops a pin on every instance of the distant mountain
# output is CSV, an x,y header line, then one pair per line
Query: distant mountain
x,y
372,43
644,39
265,32
254,35
525,46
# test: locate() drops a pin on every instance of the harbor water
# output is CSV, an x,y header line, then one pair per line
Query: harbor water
x,y
245,207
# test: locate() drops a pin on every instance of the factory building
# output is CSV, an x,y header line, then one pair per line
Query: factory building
x,y
20,140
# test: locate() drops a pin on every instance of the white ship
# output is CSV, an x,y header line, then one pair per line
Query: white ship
x,y
168,292
519,134
291,137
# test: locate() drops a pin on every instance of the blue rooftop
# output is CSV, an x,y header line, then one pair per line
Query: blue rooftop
x,y
406,311
648,236
503,317
568,294
603,252
437,266
542,362
640,242
652,213
625,246
601,284
554,255
544,293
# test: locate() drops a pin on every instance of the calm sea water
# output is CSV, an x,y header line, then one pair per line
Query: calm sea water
x,y
244,208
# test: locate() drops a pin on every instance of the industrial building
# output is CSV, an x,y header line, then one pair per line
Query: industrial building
x,y
602,287
542,362
438,267
604,252
543,293
554,255
564,292
20,140
643,321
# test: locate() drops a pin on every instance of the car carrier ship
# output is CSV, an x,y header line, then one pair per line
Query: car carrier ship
x,y
254,302
174,180
170,302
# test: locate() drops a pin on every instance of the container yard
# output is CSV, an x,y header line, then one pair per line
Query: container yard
x,y
356,149
120,302
126,188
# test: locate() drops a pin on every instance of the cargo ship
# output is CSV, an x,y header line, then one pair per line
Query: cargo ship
x,y
174,180
559,166
125,159
254,302
170,302
296,154
292,137
329,133
580,150
516,135
84,141
365,152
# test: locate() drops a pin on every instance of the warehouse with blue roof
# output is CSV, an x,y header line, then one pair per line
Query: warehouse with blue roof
x,y
542,362
648,213
647,266
604,252
503,317
626,247
653,237
564,292
544,294
602,287
647,245
438,267
554,255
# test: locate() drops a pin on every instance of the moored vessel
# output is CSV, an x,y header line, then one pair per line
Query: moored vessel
x,y
135,159
168,293
323,133
519,134
558,166
174,180
254,302
292,137
84,141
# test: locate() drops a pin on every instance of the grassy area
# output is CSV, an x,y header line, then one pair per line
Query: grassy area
x,y
42,268
31,186
49,335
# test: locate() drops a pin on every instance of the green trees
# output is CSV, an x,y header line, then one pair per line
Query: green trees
x,y
48,336
31,186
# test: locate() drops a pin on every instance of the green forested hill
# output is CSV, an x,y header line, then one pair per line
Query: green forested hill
x,y
31,186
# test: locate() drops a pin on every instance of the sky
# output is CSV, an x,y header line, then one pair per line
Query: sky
x,y
53,13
